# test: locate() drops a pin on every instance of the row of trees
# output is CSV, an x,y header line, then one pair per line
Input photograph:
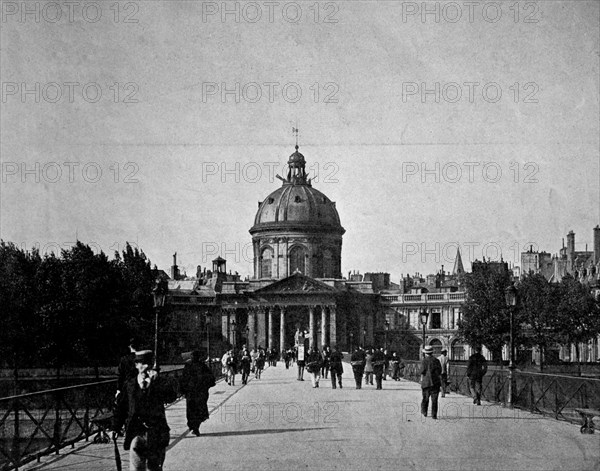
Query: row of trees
x,y
77,309
546,315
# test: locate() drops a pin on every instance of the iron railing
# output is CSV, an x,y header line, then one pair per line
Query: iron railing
x,y
37,424
554,395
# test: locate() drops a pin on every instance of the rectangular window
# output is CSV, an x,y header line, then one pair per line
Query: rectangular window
x,y
436,320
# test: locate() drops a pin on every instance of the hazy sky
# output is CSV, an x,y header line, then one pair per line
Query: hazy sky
x,y
163,123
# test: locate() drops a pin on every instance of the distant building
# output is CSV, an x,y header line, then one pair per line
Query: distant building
x,y
297,282
583,265
441,295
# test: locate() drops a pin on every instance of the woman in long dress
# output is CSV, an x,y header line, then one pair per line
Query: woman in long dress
x,y
197,379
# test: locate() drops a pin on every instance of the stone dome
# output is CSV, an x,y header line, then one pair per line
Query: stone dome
x,y
297,205
297,229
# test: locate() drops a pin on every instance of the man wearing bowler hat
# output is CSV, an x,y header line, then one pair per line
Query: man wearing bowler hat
x,y
430,382
142,411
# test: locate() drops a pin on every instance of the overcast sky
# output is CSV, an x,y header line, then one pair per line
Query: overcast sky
x,y
163,123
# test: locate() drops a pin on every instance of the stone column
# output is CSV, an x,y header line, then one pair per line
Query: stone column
x,y
332,327
252,333
312,326
261,328
234,330
282,329
323,326
270,340
225,331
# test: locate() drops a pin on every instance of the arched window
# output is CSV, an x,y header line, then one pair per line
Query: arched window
x,y
437,347
297,260
266,263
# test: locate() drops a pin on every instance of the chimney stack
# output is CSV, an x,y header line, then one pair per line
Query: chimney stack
x,y
596,244
570,251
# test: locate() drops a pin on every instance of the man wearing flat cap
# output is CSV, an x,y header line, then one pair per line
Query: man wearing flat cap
x,y
431,370
443,358
142,411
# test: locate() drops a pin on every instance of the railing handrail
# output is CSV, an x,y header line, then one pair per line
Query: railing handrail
x,y
55,390
533,373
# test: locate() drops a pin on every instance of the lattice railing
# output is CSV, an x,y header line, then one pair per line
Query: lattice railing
x,y
37,424
549,394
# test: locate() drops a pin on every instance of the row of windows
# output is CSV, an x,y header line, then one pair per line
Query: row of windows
x,y
297,256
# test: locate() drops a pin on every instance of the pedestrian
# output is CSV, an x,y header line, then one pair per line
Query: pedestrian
x,y
245,364
196,380
430,382
336,367
314,362
357,361
326,361
127,369
260,362
369,367
254,356
378,362
386,365
394,366
142,411
301,362
443,358
476,370
229,366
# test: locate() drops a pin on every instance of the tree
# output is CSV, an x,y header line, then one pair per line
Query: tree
x,y
538,300
137,279
17,304
578,315
485,317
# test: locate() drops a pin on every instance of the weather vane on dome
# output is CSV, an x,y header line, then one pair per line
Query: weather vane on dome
x,y
295,131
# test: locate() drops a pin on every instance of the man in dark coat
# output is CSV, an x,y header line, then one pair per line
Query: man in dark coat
x,y
142,411
476,370
336,367
127,369
314,362
357,360
197,379
245,364
431,369
378,366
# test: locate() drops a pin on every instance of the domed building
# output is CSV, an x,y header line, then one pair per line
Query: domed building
x,y
297,229
297,290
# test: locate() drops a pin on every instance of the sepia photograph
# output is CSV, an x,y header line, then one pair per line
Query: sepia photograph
x,y
308,234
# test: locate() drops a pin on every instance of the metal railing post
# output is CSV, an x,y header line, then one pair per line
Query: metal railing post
x,y
16,442
57,423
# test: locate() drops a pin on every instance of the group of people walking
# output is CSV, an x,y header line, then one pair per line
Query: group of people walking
x,y
140,404
320,363
434,378
245,362
143,392
375,363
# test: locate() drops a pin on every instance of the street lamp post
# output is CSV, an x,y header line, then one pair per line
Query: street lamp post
x,y
351,342
510,294
208,321
424,317
159,293
386,328
364,344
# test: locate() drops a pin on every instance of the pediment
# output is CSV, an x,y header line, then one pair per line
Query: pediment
x,y
296,283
